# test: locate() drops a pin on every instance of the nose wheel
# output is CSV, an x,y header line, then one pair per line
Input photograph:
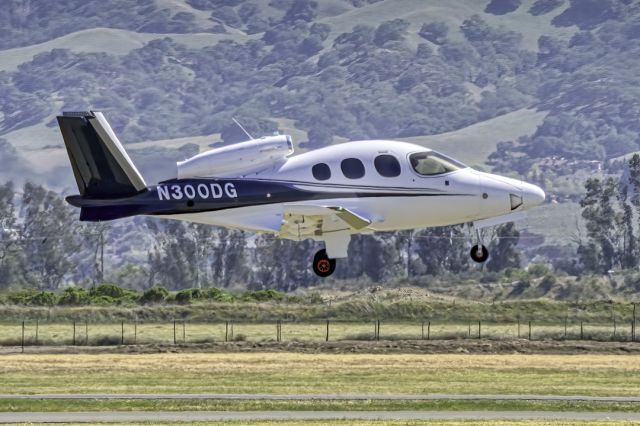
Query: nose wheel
x,y
322,265
479,253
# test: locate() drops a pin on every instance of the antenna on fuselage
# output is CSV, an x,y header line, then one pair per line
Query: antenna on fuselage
x,y
242,128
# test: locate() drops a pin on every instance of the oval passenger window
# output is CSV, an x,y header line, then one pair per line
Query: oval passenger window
x,y
387,165
352,168
321,171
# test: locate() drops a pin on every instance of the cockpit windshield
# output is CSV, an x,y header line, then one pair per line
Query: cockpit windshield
x,y
432,163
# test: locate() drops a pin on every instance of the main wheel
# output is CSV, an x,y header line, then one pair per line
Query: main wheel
x,y
479,253
322,265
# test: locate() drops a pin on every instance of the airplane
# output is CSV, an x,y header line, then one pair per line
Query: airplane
x,y
327,194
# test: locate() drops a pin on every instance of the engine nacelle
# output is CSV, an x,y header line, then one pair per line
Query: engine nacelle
x,y
237,159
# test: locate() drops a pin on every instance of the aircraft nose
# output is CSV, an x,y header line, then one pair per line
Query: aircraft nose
x,y
532,195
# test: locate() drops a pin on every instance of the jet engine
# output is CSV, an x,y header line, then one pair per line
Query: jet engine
x,y
237,159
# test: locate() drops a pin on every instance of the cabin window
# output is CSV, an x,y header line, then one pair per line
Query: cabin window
x,y
352,168
433,163
321,171
387,165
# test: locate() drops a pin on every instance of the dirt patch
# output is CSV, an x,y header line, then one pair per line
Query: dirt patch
x,y
377,347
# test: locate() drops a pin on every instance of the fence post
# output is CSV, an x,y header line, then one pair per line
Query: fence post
x,y
37,327
184,332
74,332
479,328
529,329
326,339
422,332
581,331
378,336
566,319
226,331
231,330
135,332
469,333
614,328
429,330
174,332
518,327
122,332
22,341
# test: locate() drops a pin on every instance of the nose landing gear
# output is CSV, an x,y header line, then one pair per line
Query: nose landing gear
x,y
479,252
322,265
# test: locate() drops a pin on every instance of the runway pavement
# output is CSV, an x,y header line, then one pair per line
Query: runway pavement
x,y
189,416
325,397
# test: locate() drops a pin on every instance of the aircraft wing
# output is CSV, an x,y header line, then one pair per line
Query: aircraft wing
x,y
305,220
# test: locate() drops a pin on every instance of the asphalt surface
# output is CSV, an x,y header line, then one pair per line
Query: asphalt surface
x,y
190,416
324,397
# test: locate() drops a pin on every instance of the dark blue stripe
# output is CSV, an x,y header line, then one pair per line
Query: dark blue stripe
x,y
249,193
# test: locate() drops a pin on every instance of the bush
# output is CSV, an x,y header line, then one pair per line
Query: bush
x,y
218,295
44,298
263,295
154,295
74,296
110,290
538,270
103,300
184,296
21,297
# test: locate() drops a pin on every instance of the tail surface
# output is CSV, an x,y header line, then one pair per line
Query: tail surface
x,y
100,164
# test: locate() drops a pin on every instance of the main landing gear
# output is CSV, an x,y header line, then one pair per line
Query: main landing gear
x,y
322,265
479,252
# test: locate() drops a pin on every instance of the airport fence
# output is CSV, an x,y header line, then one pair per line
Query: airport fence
x,y
180,332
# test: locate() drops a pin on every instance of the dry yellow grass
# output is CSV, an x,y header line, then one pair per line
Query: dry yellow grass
x,y
285,373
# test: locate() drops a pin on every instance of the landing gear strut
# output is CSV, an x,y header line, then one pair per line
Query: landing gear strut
x,y
479,252
322,265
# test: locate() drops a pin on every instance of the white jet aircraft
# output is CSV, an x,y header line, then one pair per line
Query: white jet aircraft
x,y
326,194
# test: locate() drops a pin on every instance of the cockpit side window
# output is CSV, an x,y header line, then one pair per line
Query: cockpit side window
x,y
432,163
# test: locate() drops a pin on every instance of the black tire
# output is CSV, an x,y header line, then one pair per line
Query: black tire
x,y
322,265
479,257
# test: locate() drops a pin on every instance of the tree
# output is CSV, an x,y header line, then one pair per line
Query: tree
x,y
440,249
601,219
435,32
304,10
50,236
8,235
503,251
394,30
174,259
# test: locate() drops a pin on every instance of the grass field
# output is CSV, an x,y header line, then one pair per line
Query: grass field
x,y
288,373
47,405
146,333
